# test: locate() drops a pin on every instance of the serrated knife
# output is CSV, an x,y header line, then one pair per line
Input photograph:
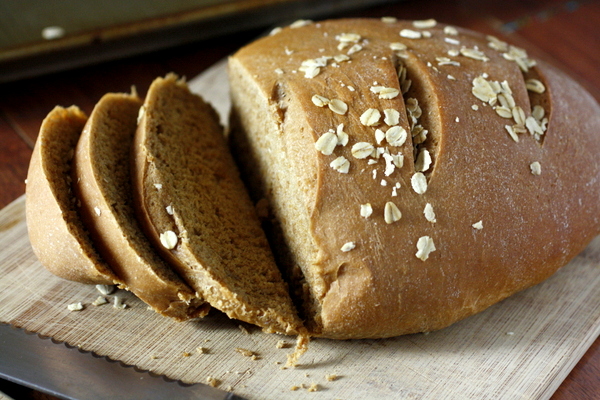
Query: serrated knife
x,y
69,373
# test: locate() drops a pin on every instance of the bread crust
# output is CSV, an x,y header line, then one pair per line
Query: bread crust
x,y
479,177
187,183
102,183
56,232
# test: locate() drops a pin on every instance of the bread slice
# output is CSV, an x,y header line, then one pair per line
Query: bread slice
x,y
102,182
57,234
188,187
418,172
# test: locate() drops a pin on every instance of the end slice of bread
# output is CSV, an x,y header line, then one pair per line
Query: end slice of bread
x,y
57,234
102,182
196,209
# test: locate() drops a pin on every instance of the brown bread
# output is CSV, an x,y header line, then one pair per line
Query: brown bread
x,y
57,234
188,186
102,182
470,172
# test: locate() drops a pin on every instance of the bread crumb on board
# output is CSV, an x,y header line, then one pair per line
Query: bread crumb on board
x,y
244,330
210,381
301,348
247,353
314,387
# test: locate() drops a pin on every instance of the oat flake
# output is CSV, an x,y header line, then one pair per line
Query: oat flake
x,y
396,136
474,54
385,92
341,165
319,101
425,23
450,30
105,289
100,300
389,164
419,183
338,106
397,46
425,246
379,136
348,37
348,246
391,213
326,143
478,225
429,213
300,23
342,136
423,161
168,239
410,34
512,133
75,306
391,116
370,117
536,168
366,210
362,150
534,85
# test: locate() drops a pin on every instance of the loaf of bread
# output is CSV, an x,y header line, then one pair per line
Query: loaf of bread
x,y
196,211
56,232
417,173
413,174
102,183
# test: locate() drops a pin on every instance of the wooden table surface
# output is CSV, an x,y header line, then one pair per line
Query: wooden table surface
x,y
564,33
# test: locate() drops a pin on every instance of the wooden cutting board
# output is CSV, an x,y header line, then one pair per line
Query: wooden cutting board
x,y
521,348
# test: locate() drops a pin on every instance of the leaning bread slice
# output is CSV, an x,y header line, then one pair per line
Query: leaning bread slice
x,y
103,184
196,209
57,234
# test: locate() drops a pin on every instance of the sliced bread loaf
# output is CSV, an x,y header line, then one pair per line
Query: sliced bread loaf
x,y
103,184
418,172
196,209
57,234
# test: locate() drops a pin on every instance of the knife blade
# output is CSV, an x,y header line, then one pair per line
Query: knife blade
x,y
67,372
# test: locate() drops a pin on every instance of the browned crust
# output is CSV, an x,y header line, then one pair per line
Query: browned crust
x,y
115,231
56,233
533,225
